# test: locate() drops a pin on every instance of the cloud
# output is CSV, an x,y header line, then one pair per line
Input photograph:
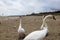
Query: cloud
x,y
23,7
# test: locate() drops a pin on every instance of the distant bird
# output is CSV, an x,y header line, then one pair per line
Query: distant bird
x,y
21,31
40,34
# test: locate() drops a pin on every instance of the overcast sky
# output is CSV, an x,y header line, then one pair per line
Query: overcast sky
x,y
23,7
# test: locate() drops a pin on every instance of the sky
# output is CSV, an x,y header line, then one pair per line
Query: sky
x,y
24,7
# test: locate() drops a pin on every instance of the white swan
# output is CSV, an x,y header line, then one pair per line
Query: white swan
x,y
40,34
21,31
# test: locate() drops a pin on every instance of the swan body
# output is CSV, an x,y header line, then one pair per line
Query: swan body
x,y
21,31
40,34
36,35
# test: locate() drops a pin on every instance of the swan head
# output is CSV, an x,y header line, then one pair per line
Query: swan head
x,y
54,18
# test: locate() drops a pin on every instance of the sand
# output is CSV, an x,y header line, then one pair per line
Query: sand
x,y
9,27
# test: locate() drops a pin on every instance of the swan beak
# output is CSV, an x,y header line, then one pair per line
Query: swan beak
x,y
54,18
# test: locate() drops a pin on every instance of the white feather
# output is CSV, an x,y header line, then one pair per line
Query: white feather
x,y
20,29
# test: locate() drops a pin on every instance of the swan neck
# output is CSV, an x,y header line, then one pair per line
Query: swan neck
x,y
44,24
44,19
20,24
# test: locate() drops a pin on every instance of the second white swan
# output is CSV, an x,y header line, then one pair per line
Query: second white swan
x,y
21,31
